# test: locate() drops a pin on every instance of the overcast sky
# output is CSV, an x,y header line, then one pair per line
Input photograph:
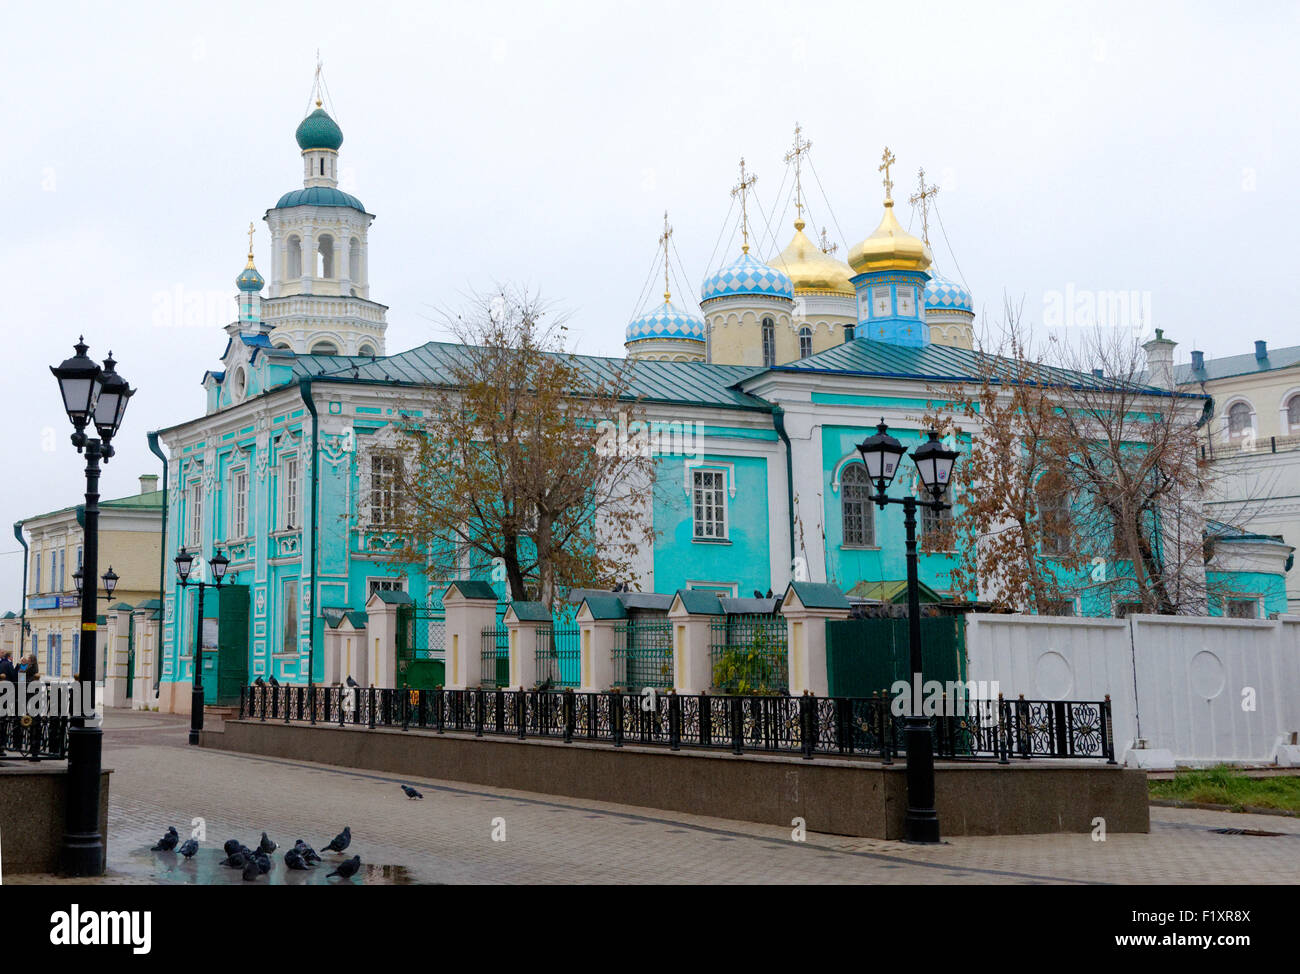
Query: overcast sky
x,y
1092,150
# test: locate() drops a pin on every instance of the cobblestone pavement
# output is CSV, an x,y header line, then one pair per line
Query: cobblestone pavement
x,y
448,836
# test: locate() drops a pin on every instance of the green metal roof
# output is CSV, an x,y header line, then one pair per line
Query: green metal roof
x,y
473,589
1231,365
687,383
699,601
319,196
135,502
1222,531
893,591
318,131
819,595
394,597
604,607
531,611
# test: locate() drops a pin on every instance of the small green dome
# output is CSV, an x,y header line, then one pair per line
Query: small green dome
x,y
318,131
249,279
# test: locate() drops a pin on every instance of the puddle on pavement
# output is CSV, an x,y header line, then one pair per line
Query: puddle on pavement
x,y
205,869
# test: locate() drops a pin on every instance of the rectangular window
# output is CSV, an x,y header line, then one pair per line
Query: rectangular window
x,y
54,572
239,504
374,585
936,528
1057,607
36,573
385,488
1242,609
290,616
289,484
194,522
709,504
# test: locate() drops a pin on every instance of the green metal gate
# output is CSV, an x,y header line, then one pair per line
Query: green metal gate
x,y
421,643
866,656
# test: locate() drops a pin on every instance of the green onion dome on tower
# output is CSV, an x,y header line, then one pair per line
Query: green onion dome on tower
x,y
318,131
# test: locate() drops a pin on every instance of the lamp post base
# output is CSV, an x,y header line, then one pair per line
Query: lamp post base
x,y
921,823
196,715
82,853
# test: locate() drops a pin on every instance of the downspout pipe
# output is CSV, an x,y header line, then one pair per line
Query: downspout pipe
x,y
156,450
778,422
304,390
22,624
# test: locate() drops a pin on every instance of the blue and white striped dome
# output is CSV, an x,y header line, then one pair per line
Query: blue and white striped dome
x,y
747,276
666,321
942,294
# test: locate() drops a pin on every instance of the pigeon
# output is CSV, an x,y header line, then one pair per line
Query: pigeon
x,y
168,842
308,854
346,869
768,595
259,682
266,845
232,846
274,682
251,871
758,594
262,861
352,682
340,841
190,847
547,684
411,792
237,860
294,860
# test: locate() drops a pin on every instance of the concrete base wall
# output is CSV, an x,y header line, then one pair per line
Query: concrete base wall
x,y
32,804
837,796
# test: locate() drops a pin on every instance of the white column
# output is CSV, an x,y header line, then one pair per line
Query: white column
x,y
523,649
464,621
596,650
806,631
692,642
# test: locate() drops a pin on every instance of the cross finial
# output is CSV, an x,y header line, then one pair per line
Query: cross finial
x,y
887,160
825,243
250,239
795,155
663,242
319,64
742,189
923,196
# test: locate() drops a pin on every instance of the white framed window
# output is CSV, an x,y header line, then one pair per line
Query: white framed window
x,y
289,478
769,342
1054,508
709,504
385,487
1293,413
881,302
1241,608
805,342
856,513
384,584
1240,419
36,572
239,503
194,515
290,644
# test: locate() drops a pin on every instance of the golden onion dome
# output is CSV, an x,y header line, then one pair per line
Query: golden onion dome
x,y
809,269
890,248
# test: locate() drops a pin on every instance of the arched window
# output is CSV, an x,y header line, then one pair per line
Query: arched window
x,y
1293,413
1239,419
855,506
850,332
805,341
769,342
366,350
325,256
324,348
294,258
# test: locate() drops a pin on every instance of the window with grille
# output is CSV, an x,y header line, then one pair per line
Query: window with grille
x,y
239,504
374,585
1054,510
385,488
1242,609
850,332
709,496
855,506
194,523
805,341
769,342
936,527
1293,414
289,476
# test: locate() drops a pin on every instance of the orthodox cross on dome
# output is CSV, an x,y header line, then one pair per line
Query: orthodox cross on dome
x,y
250,239
742,189
663,242
887,160
318,88
825,243
923,196
795,155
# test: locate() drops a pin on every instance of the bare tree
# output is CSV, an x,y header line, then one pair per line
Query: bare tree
x,y
510,460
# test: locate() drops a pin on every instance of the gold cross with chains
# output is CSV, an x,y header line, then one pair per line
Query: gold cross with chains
x,y
795,155
742,189
825,243
923,196
887,160
663,242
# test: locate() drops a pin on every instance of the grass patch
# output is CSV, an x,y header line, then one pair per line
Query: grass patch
x,y
1228,786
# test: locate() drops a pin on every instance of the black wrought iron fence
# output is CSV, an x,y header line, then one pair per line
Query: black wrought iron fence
x,y
35,738
558,656
998,729
749,654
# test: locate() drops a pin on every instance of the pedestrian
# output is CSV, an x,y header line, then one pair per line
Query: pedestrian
x,y
28,669
7,671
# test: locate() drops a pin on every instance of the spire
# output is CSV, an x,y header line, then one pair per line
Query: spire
x,y
795,155
663,242
923,196
742,189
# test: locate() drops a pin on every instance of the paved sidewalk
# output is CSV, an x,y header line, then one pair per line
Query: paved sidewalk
x,y
448,837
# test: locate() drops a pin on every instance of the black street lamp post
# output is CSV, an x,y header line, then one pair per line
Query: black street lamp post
x,y
99,396
881,454
184,565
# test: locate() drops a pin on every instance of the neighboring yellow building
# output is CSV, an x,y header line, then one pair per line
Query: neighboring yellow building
x,y
1253,440
130,540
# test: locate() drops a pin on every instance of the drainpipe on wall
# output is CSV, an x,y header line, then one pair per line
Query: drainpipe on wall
x,y
778,422
22,624
162,563
304,390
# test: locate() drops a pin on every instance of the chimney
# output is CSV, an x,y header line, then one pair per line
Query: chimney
x,y
1160,360
1261,350
148,483
1198,361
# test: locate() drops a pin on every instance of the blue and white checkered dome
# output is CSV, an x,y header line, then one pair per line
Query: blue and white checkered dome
x,y
748,275
666,321
942,294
